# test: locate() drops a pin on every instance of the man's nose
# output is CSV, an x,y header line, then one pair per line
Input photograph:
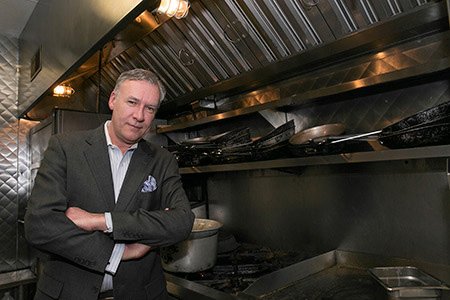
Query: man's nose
x,y
139,114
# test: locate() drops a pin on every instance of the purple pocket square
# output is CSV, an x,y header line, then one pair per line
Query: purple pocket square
x,y
149,185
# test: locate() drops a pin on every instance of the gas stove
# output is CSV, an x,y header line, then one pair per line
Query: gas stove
x,y
270,275
236,270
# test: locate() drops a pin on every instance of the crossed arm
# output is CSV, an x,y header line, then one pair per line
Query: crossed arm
x,y
96,222
78,234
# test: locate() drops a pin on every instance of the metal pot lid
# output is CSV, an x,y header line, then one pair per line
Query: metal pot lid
x,y
201,225
204,228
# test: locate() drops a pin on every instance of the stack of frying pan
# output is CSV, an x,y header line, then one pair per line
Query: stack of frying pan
x,y
233,146
425,128
209,149
274,144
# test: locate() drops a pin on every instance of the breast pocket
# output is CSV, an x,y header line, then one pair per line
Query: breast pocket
x,y
148,201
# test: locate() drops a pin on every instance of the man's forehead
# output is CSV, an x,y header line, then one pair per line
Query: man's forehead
x,y
136,81
129,90
131,84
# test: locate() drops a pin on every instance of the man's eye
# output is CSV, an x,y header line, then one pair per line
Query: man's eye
x,y
132,102
151,109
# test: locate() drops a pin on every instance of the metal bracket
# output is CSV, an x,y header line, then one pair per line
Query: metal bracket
x,y
308,4
448,171
185,56
448,9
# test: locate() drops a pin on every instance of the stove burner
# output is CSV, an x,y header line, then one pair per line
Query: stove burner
x,y
244,269
236,270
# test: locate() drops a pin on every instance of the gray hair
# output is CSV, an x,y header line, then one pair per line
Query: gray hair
x,y
141,74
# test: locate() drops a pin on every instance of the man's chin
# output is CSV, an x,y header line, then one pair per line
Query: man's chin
x,y
133,139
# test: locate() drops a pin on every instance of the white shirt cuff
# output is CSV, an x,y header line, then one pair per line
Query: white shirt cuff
x,y
115,259
109,224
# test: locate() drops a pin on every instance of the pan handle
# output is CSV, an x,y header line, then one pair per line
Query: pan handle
x,y
356,136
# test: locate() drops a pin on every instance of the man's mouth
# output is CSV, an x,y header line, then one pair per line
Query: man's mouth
x,y
135,126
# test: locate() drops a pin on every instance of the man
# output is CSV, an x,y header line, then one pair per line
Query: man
x,y
104,200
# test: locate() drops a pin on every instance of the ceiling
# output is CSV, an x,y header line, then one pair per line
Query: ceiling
x,y
14,15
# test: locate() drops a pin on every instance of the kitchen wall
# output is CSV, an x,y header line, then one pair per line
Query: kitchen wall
x,y
394,208
14,174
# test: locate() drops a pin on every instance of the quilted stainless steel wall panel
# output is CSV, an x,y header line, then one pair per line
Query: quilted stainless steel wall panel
x,y
24,184
13,161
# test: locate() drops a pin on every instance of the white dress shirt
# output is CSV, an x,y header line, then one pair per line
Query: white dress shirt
x,y
119,166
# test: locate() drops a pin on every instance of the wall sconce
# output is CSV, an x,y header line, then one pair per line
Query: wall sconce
x,y
174,8
63,91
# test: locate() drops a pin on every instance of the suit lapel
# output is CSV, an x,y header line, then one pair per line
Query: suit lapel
x,y
97,156
136,174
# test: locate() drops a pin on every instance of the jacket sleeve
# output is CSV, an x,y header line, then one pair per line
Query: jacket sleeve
x,y
158,227
46,226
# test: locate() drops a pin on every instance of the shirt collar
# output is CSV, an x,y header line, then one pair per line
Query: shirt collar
x,y
108,138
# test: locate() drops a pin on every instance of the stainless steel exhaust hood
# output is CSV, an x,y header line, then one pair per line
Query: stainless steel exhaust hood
x,y
230,47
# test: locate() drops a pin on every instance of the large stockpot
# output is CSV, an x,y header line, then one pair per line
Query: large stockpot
x,y
195,254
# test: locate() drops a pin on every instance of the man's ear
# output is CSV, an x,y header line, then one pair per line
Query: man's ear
x,y
112,99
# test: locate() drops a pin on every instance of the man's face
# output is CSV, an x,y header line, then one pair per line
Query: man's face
x,y
134,107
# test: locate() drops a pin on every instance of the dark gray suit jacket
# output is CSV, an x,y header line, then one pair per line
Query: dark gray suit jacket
x,y
75,171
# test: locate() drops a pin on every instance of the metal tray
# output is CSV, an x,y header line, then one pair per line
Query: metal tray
x,y
408,282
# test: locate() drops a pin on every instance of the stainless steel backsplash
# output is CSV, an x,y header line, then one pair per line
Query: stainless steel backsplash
x,y
394,208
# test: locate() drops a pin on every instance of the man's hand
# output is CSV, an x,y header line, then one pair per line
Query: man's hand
x,y
86,220
135,251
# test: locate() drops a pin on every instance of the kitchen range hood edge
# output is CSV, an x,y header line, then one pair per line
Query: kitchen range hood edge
x,y
60,36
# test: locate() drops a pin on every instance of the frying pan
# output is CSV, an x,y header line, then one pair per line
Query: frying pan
x,y
436,114
425,128
317,133
314,140
277,135
229,137
426,135
204,139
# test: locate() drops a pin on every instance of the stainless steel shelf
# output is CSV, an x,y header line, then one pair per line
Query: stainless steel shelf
x,y
356,157
219,116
